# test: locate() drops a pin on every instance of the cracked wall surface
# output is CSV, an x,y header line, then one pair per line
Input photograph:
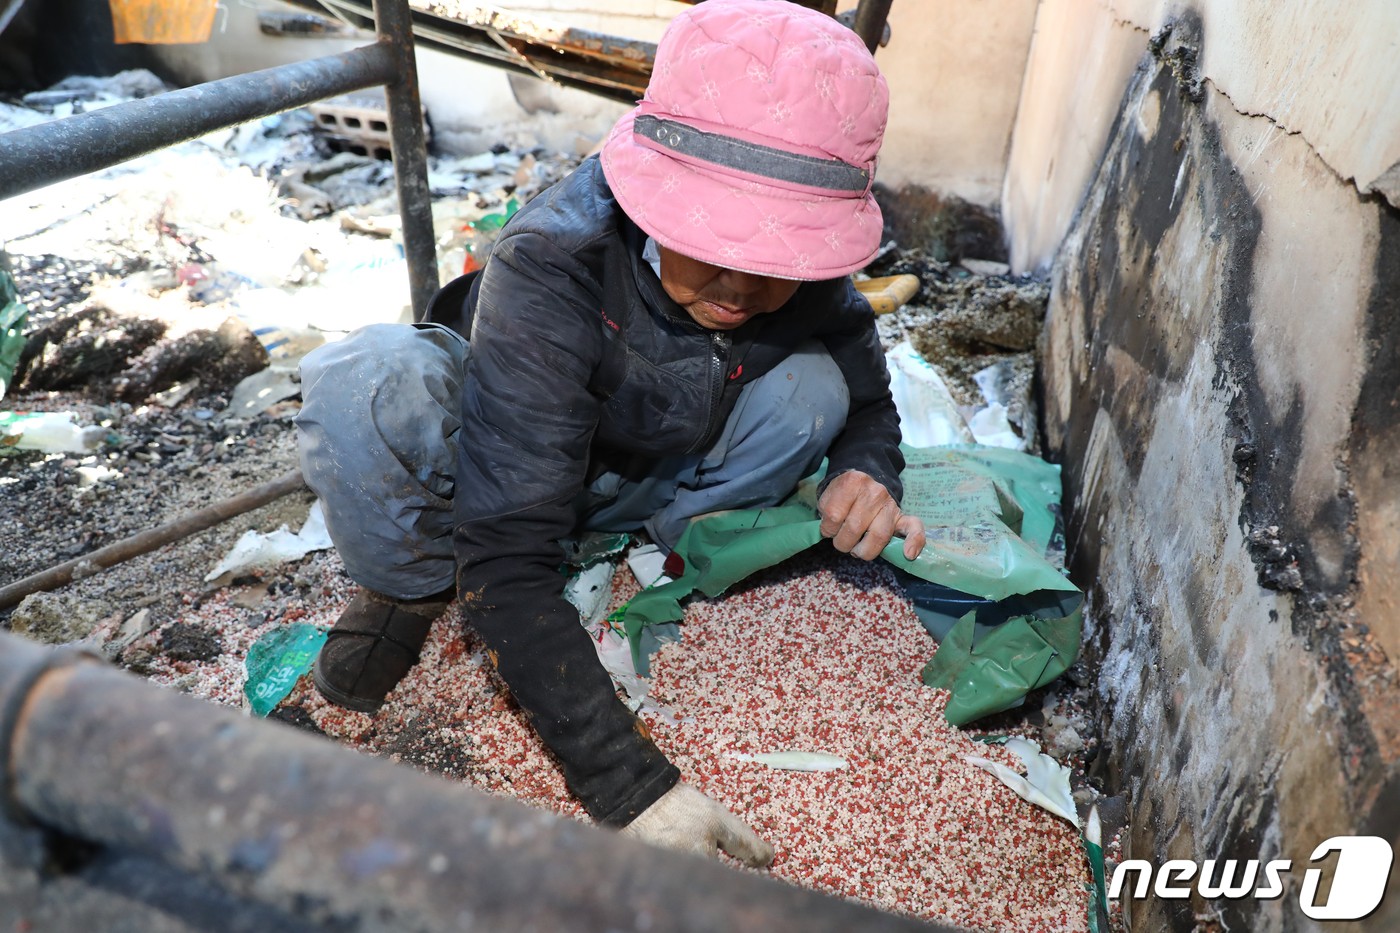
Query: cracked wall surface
x,y
1222,382
1328,73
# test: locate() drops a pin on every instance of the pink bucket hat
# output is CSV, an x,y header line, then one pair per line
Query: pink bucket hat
x,y
754,147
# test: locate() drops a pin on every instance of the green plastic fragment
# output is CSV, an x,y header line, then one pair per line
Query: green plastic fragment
x,y
277,660
490,223
592,547
987,669
1098,894
13,315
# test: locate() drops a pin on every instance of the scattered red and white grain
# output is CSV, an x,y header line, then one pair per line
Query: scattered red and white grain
x,y
825,655
820,654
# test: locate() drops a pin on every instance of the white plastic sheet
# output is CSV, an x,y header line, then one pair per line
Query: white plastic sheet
x,y
928,415
1045,783
256,550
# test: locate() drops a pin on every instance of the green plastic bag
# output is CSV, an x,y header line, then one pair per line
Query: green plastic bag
x,y
991,519
277,660
987,669
13,315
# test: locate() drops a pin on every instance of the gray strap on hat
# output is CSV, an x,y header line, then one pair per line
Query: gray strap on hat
x,y
752,158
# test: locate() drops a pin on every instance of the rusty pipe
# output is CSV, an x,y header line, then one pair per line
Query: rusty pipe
x,y
150,539
337,839
871,16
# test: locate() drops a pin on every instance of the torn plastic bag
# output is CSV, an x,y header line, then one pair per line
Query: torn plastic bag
x,y
928,414
255,549
987,669
1045,783
991,516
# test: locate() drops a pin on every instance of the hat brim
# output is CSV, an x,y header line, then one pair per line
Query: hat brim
x,y
743,223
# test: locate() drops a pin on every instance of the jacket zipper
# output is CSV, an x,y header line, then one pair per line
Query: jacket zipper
x,y
719,357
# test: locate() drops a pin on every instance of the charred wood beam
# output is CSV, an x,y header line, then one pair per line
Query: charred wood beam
x,y
610,66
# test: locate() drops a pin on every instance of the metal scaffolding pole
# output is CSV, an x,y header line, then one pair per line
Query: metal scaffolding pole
x,y
394,26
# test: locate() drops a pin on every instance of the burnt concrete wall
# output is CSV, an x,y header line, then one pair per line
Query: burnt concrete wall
x,y
1222,382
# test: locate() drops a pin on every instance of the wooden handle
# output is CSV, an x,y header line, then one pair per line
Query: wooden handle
x,y
889,294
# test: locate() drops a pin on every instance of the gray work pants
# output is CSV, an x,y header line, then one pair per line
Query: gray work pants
x,y
378,439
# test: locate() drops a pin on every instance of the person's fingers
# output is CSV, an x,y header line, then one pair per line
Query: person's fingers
x,y
834,506
858,521
878,534
858,517
911,529
735,837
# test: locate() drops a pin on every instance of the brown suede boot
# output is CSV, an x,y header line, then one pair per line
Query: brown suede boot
x,y
374,643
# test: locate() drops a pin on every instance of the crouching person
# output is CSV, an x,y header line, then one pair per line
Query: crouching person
x,y
668,332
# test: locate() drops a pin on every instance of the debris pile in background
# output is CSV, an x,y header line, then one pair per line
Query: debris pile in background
x,y
262,222
980,331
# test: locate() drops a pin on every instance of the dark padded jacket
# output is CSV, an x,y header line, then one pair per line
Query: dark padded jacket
x,y
580,362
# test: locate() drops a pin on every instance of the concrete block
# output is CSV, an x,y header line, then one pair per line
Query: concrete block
x,y
360,122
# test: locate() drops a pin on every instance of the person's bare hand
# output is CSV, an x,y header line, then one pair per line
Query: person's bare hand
x,y
860,517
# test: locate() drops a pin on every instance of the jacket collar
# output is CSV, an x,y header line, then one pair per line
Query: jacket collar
x,y
648,284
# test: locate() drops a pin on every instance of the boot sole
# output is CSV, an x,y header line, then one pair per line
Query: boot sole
x,y
341,698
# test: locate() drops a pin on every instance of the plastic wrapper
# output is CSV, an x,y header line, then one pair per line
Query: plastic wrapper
x,y
928,414
256,549
276,661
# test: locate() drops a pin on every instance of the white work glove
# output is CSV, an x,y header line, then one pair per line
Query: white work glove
x,y
687,820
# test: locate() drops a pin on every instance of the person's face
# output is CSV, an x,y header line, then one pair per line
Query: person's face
x,y
719,298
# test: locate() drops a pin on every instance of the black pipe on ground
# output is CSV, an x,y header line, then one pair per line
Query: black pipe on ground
x,y
330,838
11,594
